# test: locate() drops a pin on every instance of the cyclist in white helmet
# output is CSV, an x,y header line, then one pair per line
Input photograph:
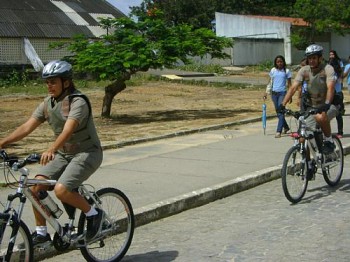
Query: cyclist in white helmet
x,y
320,79
76,152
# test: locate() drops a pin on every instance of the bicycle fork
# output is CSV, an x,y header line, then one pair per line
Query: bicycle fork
x,y
11,219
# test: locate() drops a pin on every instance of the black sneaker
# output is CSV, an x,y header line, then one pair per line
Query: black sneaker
x,y
328,147
310,174
94,224
40,239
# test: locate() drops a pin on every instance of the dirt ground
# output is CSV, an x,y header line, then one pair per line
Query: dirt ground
x,y
151,109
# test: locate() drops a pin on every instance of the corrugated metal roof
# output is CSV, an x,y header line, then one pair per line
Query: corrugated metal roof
x,y
52,19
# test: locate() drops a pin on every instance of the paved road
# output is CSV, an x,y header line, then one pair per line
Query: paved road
x,y
255,225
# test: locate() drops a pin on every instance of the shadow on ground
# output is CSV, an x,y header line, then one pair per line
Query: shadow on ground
x,y
174,115
165,256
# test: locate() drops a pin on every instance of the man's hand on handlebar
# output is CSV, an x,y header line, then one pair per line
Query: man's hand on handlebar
x,y
46,157
323,108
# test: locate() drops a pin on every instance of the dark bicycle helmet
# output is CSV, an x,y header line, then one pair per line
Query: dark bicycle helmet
x,y
57,68
314,50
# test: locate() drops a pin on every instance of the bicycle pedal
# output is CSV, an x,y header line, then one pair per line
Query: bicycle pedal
x,y
43,246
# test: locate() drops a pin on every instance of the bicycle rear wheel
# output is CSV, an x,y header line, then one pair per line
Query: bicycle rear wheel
x,y
334,164
22,249
117,229
294,170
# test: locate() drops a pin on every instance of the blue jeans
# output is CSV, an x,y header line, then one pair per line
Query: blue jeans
x,y
277,98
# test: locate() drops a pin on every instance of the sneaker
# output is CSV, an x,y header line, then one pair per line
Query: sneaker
x,y
286,130
328,147
340,135
40,239
310,174
94,224
278,135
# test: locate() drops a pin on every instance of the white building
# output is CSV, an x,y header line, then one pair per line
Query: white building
x,y
261,38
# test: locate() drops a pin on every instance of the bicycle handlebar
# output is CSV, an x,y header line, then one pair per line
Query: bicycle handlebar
x,y
15,163
305,114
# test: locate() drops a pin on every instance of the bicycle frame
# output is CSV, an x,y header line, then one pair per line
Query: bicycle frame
x,y
23,192
308,140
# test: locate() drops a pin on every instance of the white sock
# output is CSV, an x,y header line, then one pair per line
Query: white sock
x,y
330,139
91,212
41,230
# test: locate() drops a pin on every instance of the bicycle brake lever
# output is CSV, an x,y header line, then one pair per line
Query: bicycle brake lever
x,y
3,154
33,158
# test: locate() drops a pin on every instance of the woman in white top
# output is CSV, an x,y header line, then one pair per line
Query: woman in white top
x,y
280,80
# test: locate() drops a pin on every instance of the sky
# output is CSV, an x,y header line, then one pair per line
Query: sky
x,y
123,5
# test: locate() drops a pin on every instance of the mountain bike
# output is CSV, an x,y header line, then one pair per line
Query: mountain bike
x,y
110,244
305,158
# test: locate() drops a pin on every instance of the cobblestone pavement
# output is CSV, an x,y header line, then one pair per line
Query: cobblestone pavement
x,y
255,225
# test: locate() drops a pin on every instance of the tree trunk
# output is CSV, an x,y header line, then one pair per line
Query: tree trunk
x,y
110,92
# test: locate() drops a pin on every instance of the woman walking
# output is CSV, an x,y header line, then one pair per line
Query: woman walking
x,y
280,80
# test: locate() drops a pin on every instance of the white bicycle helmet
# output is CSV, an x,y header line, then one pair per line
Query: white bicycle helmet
x,y
57,68
314,50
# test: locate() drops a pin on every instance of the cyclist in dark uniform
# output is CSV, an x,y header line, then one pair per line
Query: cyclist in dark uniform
x,y
76,152
320,79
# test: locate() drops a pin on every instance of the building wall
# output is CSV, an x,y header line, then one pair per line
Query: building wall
x,y
255,51
341,44
245,27
12,50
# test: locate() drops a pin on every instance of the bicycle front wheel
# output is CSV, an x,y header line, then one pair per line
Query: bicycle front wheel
x,y
333,165
22,249
294,170
117,228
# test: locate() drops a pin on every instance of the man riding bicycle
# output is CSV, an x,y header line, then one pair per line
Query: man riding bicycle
x,y
320,79
76,152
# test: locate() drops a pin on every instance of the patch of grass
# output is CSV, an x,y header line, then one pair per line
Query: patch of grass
x,y
213,68
262,67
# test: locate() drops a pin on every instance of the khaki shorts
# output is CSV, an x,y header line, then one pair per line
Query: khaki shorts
x,y
311,121
73,170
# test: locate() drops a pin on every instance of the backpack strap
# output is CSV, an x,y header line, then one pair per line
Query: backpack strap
x,y
70,98
46,101
66,104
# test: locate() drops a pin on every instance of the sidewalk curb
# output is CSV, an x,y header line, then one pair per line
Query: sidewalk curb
x,y
172,206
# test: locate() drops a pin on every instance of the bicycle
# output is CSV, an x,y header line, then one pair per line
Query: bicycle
x,y
296,170
111,243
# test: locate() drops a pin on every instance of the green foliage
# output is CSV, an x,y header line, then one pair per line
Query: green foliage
x,y
150,42
14,78
322,16
262,67
299,40
217,69
200,13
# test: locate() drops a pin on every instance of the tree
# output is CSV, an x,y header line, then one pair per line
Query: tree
x,y
200,13
322,16
133,46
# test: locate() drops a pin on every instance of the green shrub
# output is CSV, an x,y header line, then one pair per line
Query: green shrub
x,y
212,68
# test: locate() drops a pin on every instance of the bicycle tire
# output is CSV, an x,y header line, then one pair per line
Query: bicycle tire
x,y
294,170
113,245
23,246
333,171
